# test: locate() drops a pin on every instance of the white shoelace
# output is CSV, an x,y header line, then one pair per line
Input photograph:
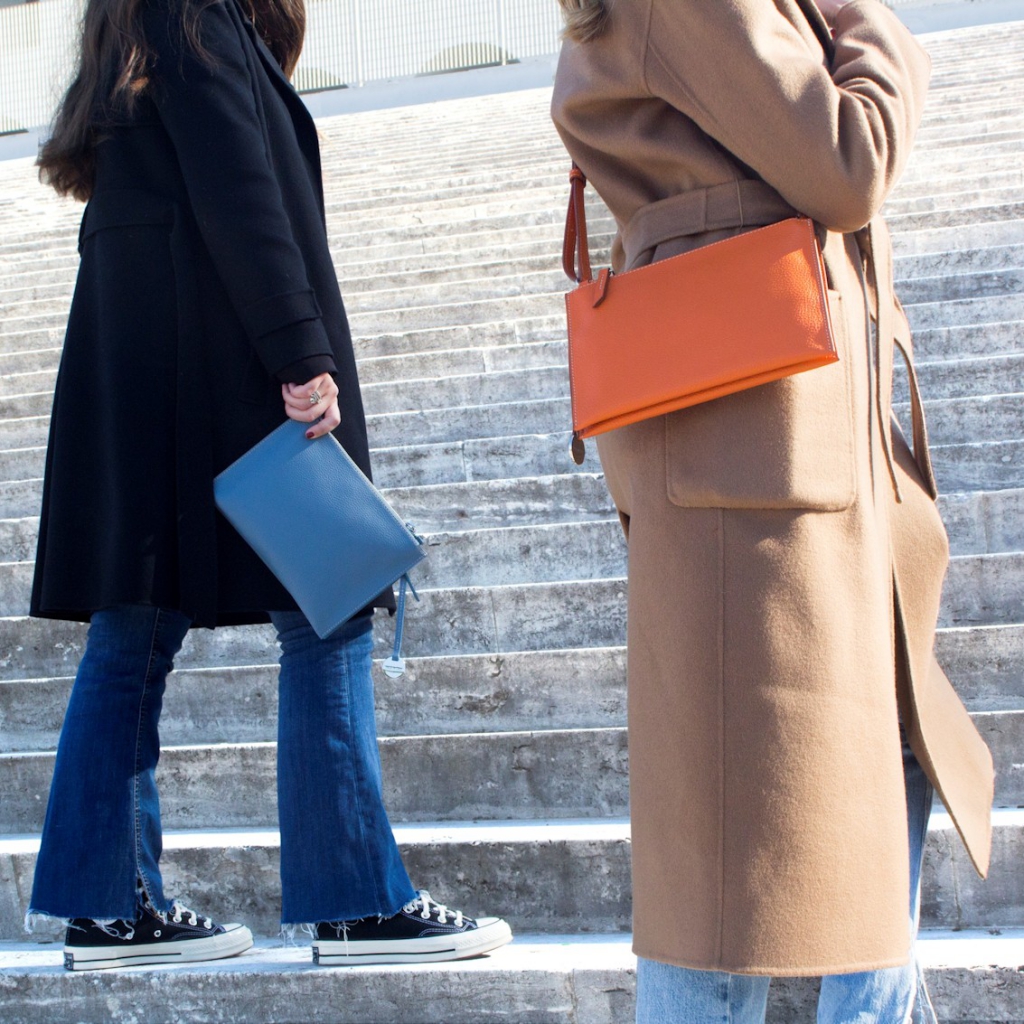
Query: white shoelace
x,y
179,909
426,906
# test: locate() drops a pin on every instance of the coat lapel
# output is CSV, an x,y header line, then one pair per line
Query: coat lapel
x,y
305,128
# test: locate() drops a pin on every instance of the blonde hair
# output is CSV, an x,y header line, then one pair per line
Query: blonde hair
x,y
584,19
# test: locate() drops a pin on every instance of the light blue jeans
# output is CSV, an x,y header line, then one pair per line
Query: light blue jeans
x,y
666,994
100,849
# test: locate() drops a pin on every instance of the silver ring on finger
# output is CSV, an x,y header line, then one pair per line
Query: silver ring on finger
x,y
315,398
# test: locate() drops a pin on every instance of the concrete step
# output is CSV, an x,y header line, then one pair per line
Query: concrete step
x,y
978,522
983,590
980,589
975,358
478,505
406,279
448,377
570,773
923,315
991,183
31,394
956,216
486,322
998,177
995,275
964,378
553,876
21,497
482,776
548,221
972,466
992,464
983,522
950,421
509,691
959,260
971,419
493,622
972,976
17,368
516,691
381,399
944,199
995,228
962,284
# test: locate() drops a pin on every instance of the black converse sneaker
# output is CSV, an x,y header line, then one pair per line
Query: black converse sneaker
x,y
421,932
177,937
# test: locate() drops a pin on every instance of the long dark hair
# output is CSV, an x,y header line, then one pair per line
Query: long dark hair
x,y
112,70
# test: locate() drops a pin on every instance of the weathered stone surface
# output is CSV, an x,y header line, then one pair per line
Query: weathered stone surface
x,y
545,876
984,589
515,694
986,663
514,691
980,589
573,773
480,776
567,979
985,465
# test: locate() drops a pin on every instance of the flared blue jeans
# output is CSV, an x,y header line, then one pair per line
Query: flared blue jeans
x,y
101,843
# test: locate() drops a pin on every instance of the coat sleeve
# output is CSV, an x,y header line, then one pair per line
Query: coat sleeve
x,y
210,112
831,141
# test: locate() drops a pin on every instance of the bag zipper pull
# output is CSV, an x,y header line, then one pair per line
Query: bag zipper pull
x,y
579,452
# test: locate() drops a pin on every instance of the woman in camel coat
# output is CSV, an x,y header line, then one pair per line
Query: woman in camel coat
x,y
785,553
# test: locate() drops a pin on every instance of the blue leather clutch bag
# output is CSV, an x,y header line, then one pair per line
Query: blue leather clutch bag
x,y
321,527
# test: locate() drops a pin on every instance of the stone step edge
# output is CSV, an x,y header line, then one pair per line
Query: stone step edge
x,y
937,947
506,734
559,977
12,284
461,350
483,407
967,363
984,557
429,833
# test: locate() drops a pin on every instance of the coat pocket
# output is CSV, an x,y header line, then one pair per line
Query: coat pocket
x,y
784,445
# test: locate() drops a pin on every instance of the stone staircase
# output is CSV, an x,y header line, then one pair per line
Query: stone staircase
x,y
504,746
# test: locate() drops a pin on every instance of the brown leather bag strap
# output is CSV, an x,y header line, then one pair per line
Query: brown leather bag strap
x,y
575,247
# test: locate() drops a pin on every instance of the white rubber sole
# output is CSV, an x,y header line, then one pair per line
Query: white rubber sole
x,y
490,934
235,939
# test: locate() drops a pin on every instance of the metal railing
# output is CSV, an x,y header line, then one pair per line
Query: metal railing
x,y
348,43
37,41
352,42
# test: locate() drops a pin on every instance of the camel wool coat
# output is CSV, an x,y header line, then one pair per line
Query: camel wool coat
x,y
785,554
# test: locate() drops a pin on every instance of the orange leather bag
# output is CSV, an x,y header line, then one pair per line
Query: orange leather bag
x,y
729,316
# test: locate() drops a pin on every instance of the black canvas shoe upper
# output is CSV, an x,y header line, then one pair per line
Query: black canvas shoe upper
x,y
416,920
179,924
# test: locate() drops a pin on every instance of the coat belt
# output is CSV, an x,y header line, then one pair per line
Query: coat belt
x,y
744,203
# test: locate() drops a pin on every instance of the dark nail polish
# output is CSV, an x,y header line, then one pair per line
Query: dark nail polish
x,y
309,435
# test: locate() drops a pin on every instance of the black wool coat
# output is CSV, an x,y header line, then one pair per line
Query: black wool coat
x,y
205,280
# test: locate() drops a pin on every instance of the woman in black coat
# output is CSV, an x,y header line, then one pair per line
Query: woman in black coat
x,y
206,311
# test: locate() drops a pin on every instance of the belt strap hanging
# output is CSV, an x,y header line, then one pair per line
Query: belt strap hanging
x,y
395,665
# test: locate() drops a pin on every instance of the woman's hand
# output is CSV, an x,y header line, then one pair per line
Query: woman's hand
x,y
830,8
308,402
